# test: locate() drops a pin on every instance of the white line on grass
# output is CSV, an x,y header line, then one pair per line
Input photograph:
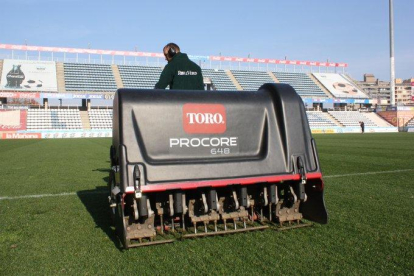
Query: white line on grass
x,y
50,195
366,173
101,192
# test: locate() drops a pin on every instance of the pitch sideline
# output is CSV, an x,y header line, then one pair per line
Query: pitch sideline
x,y
101,192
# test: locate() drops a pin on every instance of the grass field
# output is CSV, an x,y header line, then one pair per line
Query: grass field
x,y
369,196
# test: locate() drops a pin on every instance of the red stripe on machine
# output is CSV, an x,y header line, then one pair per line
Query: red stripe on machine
x,y
221,182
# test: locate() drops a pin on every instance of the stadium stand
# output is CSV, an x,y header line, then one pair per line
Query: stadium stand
x,y
378,120
100,118
320,119
144,77
78,78
251,80
220,79
60,77
352,118
89,77
355,83
117,76
302,83
410,123
52,119
320,85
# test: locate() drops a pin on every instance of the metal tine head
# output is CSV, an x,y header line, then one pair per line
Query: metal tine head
x,y
270,212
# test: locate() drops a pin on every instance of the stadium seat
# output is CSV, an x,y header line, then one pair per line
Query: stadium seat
x,y
410,123
219,79
100,118
319,119
302,83
251,80
144,77
53,119
89,77
352,118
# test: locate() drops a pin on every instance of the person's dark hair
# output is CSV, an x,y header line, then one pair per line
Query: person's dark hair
x,y
174,46
172,49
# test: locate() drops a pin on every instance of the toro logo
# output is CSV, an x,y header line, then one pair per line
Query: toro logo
x,y
204,118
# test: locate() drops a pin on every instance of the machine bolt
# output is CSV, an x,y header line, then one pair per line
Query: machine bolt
x,y
149,226
128,229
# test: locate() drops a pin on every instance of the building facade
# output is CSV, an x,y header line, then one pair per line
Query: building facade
x,y
381,92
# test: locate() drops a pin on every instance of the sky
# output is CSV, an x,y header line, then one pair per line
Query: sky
x,y
350,31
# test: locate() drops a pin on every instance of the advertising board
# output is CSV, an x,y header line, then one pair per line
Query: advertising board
x,y
28,75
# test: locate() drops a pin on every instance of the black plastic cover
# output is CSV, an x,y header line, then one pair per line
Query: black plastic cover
x,y
178,136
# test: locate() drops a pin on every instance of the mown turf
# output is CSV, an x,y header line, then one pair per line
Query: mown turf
x,y
370,229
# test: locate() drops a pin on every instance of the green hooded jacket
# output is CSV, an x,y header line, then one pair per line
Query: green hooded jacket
x,y
181,74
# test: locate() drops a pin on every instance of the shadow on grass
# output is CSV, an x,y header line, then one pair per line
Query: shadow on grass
x,y
96,202
106,171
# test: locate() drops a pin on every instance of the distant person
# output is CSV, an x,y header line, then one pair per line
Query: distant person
x,y
180,73
362,126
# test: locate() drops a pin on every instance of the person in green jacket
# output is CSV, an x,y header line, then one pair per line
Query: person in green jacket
x,y
180,73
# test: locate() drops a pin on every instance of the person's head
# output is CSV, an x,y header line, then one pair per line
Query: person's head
x,y
170,50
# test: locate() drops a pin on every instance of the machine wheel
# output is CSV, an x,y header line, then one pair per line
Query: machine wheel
x,y
120,226
111,185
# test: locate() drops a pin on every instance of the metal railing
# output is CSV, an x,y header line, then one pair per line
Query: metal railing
x,y
145,61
